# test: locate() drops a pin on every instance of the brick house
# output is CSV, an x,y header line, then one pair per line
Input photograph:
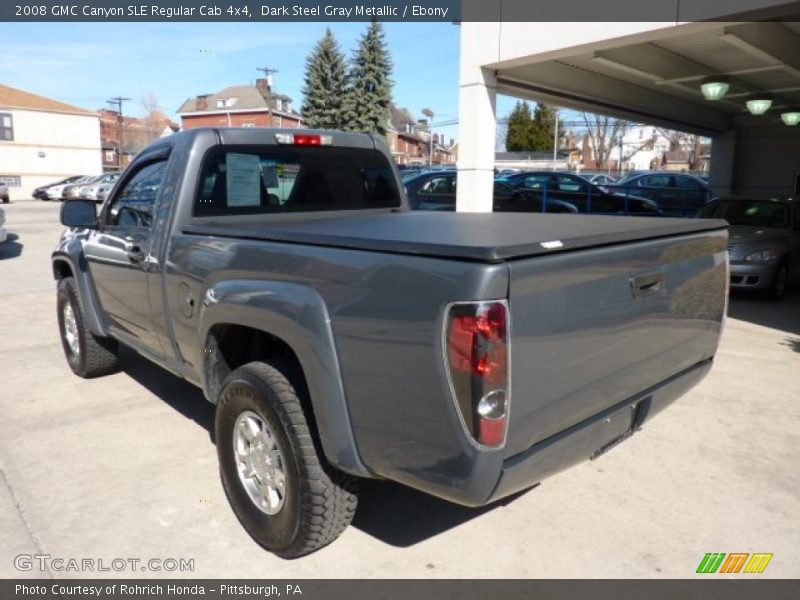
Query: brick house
x,y
137,133
241,106
409,140
405,137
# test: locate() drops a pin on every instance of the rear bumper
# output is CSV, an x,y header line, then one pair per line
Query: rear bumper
x,y
593,436
752,276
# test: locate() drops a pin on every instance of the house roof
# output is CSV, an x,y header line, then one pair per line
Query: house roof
x,y
400,118
247,97
13,98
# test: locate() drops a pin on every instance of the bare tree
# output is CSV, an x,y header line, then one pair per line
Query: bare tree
x,y
605,135
690,142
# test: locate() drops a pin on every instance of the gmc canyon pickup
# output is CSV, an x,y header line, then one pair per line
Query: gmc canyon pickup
x,y
342,336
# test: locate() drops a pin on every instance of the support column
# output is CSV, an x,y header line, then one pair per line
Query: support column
x,y
723,163
477,119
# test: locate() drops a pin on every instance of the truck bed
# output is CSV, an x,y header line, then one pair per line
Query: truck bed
x,y
472,237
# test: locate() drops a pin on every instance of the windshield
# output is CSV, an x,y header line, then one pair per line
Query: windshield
x,y
756,213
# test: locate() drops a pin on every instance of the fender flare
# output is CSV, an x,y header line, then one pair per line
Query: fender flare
x,y
297,315
70,252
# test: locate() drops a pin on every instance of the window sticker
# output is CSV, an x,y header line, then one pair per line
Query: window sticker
x,y
243,172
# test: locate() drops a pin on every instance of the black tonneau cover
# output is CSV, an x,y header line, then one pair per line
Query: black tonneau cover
x,y
493,237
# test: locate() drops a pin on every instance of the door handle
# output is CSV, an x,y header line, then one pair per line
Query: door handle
x,y
135,253
647,284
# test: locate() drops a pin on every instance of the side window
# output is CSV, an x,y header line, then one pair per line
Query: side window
x,y
687,183
568,184
439,185
660,181
135,202
537,182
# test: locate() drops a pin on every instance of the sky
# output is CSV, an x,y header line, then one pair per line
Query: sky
x,y
86,63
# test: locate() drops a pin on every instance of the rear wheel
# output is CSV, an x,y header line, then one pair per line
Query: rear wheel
x,y
88,355
283,492
780,280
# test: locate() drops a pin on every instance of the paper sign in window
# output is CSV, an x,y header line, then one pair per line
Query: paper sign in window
x,y
243,173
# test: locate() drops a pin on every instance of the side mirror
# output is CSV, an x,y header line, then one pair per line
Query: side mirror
x,y
79,213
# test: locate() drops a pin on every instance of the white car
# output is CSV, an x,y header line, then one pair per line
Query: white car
x,y
4,193
54,192
3,234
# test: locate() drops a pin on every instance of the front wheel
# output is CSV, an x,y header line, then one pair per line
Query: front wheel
x,y
283,492
777,287
88,355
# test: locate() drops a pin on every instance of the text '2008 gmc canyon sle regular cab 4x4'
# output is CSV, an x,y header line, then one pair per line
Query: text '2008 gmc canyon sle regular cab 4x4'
x,y
342,336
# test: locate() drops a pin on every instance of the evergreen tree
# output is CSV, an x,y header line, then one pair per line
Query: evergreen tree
x,y
325,85
369,95
542,129
519,125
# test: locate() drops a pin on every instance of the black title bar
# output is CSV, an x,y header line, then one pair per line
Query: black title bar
x,y
667,11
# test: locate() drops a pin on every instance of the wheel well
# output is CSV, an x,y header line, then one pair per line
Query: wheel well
x,y
229,346
61,270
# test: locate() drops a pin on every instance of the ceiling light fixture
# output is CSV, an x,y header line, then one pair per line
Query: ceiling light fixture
x,y
791,118
759,104
715,87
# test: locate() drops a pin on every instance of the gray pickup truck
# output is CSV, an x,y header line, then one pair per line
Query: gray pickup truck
x,y
342,336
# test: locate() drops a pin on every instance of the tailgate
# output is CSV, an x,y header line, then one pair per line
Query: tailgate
x,y
594,327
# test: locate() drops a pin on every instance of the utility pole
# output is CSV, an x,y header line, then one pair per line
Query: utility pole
x,y
555,142
429,113
268,71
118,100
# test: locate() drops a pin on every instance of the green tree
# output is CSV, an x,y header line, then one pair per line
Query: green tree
x,y
519,124
542,128
366,104
325,85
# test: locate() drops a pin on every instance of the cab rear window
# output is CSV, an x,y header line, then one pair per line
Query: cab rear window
x,y
263,180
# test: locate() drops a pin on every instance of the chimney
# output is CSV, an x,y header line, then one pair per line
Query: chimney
x,y
264,87
202,102
452,142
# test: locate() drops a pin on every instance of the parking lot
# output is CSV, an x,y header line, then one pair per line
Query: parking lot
x,y
125,467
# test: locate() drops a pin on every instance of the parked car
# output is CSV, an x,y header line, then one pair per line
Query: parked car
x,y
764,244
88,189
282,272
436,190
677,194
3,234
4,194
97,188
600,179
56,191
588,197
43,192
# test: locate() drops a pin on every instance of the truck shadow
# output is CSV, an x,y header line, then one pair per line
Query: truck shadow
x,y
783,315
400,516
179,394
11,248
391,513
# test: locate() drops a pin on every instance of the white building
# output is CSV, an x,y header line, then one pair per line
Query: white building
x,y
43,140
645,72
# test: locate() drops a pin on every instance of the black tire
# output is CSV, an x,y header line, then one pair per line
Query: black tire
x,y
6,200
780,280
96,356
318,502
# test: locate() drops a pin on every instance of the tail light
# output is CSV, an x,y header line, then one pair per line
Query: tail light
x,y
477,355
